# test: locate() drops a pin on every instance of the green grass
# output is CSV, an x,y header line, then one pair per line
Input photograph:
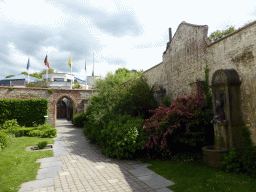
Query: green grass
x,y
17,165
197,176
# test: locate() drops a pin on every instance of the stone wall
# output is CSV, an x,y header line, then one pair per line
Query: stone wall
x,y
79,98
237,51
189,51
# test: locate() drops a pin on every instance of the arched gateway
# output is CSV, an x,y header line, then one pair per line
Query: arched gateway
x,y
78,99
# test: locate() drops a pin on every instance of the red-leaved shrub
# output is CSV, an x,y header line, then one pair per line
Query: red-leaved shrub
x,y
180,126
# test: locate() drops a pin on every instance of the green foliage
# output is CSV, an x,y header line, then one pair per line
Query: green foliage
x,y
36,75
77,85
216,35
114,101
242,161
27,112
43,131
11,124
23,131
122,137
44,71
42,144
8,76
93,132
50,91
232,161
136,99
43,84
121,75
79,119
166,101
10,89
4,141
24,73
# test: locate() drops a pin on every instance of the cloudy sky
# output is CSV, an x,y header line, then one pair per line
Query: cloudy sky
x,y
121,33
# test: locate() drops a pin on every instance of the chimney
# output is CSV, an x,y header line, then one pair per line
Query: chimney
x,y
170,34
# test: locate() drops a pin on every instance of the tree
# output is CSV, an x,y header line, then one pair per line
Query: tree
x,y
8,76
216,35
121,75
36,75
43,84
77,85
24,73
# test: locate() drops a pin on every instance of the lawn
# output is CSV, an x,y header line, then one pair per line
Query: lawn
x,y
197,176
17,165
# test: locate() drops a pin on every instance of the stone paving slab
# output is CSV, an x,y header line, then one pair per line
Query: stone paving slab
x,y
49,159
50,164
164,190
156,181
141,171
48,172
31,185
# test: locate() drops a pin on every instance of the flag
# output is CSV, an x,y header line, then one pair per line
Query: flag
x,y
28,65
85,66
46,61
69,62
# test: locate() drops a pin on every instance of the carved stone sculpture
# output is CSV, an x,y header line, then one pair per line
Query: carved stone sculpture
x,y
220,114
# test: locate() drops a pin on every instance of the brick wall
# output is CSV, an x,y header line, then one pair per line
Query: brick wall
x,y
79,98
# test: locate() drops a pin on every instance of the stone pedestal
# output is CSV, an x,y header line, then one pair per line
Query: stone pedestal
x,y
228,121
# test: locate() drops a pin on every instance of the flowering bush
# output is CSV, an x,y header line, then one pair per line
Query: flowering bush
x,y
179,126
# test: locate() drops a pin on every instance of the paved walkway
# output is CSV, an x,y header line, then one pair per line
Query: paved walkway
x,y
78,166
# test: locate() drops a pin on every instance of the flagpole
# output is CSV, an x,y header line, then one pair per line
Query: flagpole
x,y
28,69
71,73
47,71
85,73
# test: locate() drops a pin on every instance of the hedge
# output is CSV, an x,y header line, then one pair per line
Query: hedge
x,y
28,112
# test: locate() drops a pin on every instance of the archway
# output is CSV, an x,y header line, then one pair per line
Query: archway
x,y
65,107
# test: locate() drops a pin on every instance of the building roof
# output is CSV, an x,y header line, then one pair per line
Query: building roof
x,y
79,80
22,76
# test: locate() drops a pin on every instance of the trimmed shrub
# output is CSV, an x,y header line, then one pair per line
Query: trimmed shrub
x,y
44,133
28,112
78,120
45,126
23,131
122,137
42,144
4,140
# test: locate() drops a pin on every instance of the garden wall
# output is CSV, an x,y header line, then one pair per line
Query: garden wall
x,y
189,51
79,97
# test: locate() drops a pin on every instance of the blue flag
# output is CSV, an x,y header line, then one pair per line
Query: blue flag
x,y
28,64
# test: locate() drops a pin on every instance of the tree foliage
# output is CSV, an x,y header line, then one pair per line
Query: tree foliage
x,y
8,76
121,75
77,85
216,35
49,71
36,75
